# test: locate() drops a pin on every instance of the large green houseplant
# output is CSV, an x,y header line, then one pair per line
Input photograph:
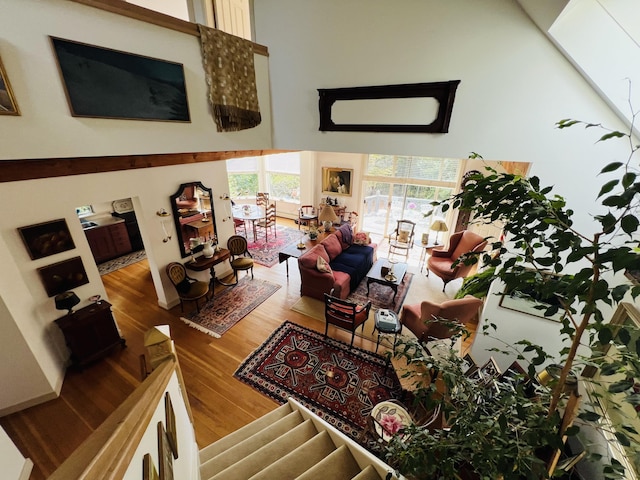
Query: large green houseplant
x,y
545,256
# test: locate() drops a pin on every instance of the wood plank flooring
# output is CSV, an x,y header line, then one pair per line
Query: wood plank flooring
x,y
50,432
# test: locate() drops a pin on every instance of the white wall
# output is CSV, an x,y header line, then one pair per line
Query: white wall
x,y
14,465
514,83
47,130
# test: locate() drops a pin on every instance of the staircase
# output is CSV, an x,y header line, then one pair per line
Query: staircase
x,y
289,443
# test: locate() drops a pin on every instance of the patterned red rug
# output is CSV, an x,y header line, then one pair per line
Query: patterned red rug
x,y
380,295
337,382
266,253
229,307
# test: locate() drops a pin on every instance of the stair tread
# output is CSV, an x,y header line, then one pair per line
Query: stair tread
x,y
237,452
269,453
368,473
299,460
338,465
243,433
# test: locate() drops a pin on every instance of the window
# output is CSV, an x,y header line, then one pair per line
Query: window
x,y
278,174
403,187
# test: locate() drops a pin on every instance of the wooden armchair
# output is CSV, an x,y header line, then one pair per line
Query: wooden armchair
x,y
188,288
306,215
345,315
401,239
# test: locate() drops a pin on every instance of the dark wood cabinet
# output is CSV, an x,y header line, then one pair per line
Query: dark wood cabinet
x,y
90,332
109,241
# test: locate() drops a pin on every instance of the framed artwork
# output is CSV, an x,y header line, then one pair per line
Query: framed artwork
x,y
47,238
337,181
104,83
8,105
525,304
443,93
170,421
149,471
63,276
165,455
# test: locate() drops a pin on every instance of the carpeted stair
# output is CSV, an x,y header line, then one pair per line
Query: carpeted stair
x,y
287,443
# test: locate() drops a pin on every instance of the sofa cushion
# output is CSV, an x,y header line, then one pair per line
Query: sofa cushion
x,y
341,285
333,246
322,265
310,259
361,238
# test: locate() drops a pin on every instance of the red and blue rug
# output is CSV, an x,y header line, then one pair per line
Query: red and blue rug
x,y
266,252
226,309
339,383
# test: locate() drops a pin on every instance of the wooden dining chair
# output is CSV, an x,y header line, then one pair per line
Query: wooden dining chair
x,y
269,221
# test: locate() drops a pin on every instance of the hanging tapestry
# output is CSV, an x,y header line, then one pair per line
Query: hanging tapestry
x,y
231,77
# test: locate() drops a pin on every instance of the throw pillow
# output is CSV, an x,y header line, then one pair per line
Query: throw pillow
x,y
361,238
184,286
403,236
322,265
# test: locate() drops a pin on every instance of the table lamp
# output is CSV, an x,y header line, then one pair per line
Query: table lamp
x,y
66,301
327,216
439,226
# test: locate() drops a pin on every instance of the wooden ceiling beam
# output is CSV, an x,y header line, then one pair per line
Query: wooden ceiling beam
x,y
29,169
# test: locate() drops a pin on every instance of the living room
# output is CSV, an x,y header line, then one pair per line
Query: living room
x,y
495,90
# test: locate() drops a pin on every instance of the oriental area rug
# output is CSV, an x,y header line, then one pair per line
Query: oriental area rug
x,y
266,252
379,295
339,383
229,307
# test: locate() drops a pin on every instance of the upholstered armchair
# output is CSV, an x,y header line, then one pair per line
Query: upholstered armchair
x,y
421,318
441,261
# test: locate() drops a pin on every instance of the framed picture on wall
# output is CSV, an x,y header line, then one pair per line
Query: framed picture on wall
x,y
337,181
63,276
8,105
48,238
105,83
165,455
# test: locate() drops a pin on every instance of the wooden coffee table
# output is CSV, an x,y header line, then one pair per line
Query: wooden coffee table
x,y
375,275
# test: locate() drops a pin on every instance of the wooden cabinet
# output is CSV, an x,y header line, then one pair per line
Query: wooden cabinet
x,y
109,241
90,332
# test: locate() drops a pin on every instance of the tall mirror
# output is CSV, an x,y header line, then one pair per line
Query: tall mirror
x,y
193,215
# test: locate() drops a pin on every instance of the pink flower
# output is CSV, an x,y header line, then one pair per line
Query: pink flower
x,y
390,423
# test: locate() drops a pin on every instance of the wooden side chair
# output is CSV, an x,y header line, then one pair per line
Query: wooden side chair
x,y
262,199
401,239
269,221
188,288
306,215
240,258
344,314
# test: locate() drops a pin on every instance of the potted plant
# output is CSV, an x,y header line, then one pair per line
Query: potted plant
x,y
580,271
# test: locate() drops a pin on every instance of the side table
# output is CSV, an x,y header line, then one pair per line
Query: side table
x,y
203,263
426,251
386,322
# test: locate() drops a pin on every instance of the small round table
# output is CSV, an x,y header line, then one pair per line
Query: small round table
x,y
386,322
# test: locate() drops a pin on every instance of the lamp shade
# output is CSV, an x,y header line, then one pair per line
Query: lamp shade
x,y
327,214
66,301
439,226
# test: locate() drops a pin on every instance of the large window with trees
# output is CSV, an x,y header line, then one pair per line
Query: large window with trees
x,y
402,187
278,174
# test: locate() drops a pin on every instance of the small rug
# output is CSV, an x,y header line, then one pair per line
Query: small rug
x,y
337,382
381,295
121,262
266,253
229,307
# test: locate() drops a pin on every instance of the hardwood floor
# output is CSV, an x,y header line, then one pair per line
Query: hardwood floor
x,y
50,432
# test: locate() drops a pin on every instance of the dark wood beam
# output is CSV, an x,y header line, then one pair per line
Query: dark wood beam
x,y
29,169
136,12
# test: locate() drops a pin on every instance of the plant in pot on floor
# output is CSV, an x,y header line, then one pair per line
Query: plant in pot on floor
x,y
583,271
